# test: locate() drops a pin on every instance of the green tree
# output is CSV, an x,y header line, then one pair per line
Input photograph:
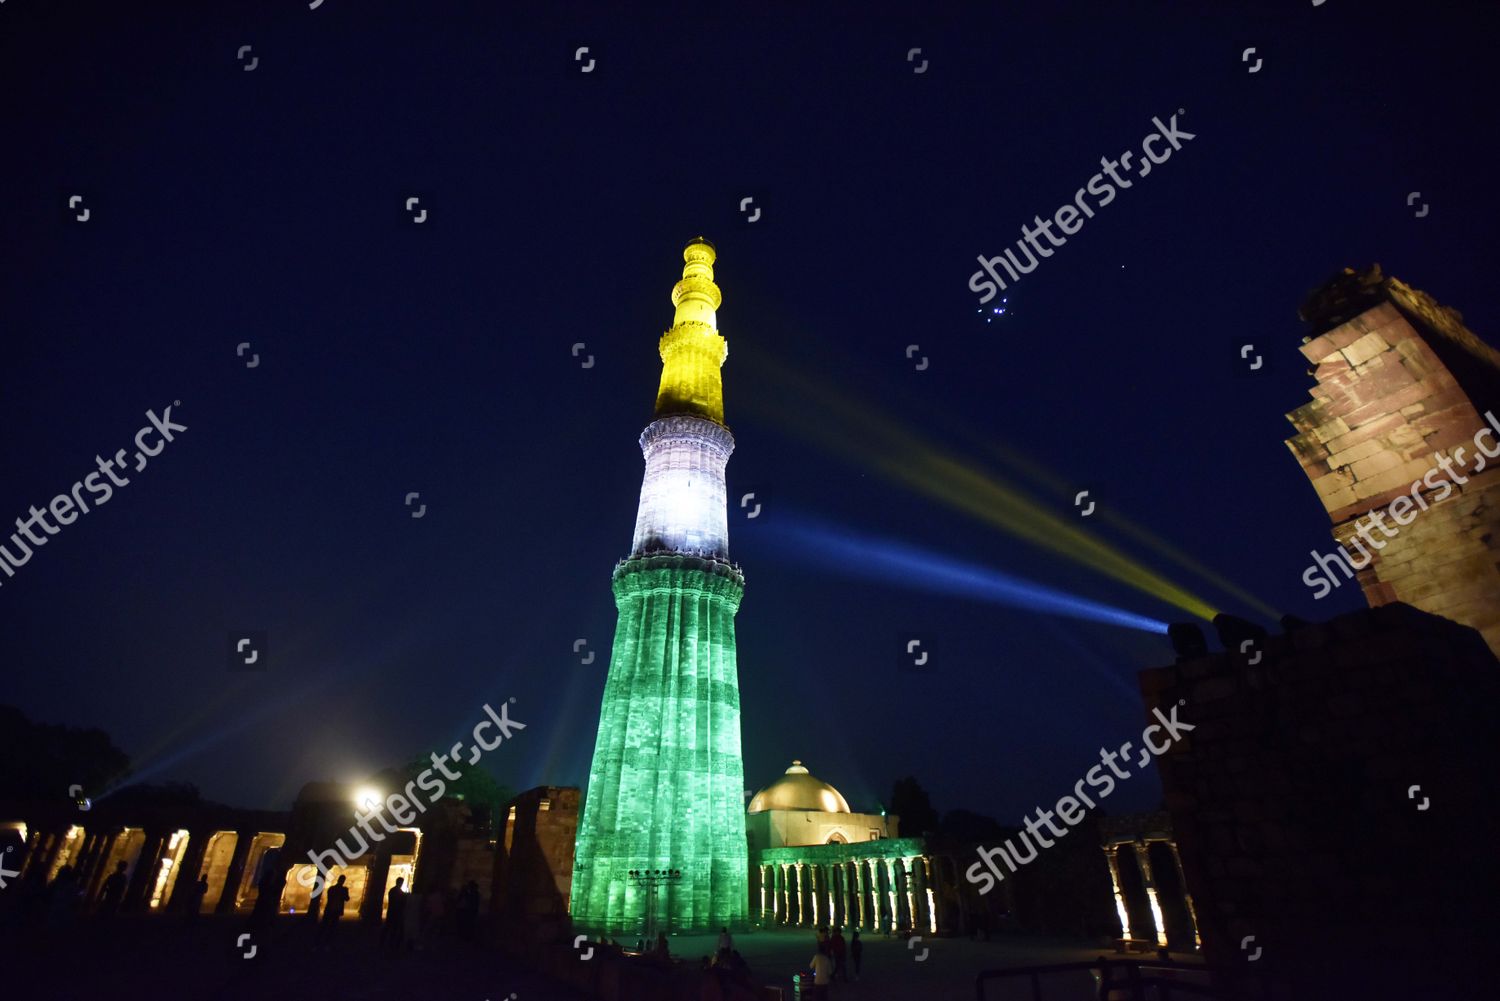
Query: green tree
x,y
909,802
40,761
157,794
965,827
476,788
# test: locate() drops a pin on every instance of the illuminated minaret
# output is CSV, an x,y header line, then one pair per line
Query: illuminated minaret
x,y
666,789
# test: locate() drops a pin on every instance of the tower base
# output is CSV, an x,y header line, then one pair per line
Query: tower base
x,y
666,790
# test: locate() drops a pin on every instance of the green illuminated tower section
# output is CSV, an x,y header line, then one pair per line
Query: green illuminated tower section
x,y
666,789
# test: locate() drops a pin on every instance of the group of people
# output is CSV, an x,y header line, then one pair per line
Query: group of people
x,y
829,962
408,923
412,924
58,902
411,921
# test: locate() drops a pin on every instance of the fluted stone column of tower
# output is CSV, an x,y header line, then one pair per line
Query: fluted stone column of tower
x,y
666,789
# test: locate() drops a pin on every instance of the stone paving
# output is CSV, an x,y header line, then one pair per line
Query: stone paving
x,y
152,958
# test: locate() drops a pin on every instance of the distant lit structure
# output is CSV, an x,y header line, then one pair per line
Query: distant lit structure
x,y
815,862
800,809
666,785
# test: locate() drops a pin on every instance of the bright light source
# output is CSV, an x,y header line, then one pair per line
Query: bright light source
x,y
368,799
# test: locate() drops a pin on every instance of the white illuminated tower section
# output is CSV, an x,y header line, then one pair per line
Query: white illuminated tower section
x,y
666,788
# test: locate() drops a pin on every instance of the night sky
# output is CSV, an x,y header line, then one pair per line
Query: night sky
x,y
267,207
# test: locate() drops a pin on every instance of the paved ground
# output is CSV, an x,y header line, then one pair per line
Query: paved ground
x,y
162,960
154,958
894,971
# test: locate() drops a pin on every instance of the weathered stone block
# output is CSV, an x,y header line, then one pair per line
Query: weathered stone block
x,y
1365,348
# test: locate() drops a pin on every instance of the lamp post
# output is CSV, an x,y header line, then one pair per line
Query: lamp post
x,y
651,880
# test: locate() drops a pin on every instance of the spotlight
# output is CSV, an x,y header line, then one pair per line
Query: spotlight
x,y
1290,624
1234,631
368,799
1187,639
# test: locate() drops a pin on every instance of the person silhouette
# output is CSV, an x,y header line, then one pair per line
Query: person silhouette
x,y
33,892
468,910
395,918
194,904
334,900
434,914
836,949
821,966
113,891
62,896
269,888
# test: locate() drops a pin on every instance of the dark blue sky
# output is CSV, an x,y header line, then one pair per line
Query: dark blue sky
x,y
267,207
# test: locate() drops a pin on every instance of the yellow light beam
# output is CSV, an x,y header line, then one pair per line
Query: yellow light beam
x,y
844,426
1138,533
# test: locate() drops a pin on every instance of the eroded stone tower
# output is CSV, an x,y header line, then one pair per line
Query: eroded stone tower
x,y
1405,423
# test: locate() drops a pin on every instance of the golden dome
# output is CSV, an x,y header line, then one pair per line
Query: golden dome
x,y
798,790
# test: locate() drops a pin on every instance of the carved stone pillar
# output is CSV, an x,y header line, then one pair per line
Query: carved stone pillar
x,y
858,883
36,850
1187,896
846,892
99,868
187,872
88,859
1143,859
893,894
33,838
840,898
52,844
81,853
815,891
895,870
831,877
923,916
371,908
830,893
236,872
143,877
825,889
1112,855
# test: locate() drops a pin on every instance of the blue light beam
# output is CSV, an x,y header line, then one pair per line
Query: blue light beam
x,y
908,566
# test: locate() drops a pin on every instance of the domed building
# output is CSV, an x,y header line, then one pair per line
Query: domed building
x,y
801,809
814,861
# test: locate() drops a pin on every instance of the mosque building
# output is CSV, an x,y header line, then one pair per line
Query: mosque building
x,y
800,809
813,861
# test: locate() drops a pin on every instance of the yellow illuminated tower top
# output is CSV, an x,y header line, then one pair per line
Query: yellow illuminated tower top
x,y
693,350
